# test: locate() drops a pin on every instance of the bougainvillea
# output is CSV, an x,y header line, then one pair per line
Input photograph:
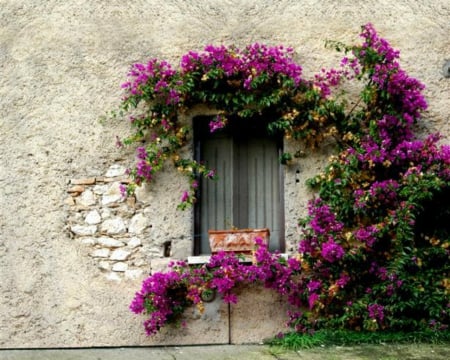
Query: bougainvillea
x,y
374,192
374,249
258,81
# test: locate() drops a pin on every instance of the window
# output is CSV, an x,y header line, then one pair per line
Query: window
x,y
248,192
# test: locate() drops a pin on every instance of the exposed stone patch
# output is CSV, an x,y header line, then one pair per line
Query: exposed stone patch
x,y
134,242
116,170
111,227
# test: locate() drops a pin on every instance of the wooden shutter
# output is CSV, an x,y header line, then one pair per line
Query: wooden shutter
x,y
257,187
216,207
248,192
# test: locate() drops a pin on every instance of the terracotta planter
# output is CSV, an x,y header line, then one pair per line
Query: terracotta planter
x,y
240,241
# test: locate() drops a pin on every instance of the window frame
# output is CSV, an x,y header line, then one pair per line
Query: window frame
x,y
235,129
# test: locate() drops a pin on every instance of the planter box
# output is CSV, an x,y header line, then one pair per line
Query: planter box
x,y
240,241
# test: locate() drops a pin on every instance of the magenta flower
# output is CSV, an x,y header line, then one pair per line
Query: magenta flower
x,y
314,285
219,122
312,299
331,251
376,311
343,280
123,190
211,174
185,196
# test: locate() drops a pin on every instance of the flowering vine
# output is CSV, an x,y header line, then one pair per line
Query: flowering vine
x,y
240,84
368,219
374,249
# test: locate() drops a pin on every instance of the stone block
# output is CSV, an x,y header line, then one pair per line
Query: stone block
x,y
116,170
134,274
120,255
84,230
100,253
100,189
120,267
134,242
113,276
77,189
93,217
69,201
104,265
138,224
88,240
83,181
87,198
143,194
112,195
109,242
113,226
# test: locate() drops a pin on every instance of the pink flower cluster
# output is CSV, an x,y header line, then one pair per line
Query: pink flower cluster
x,y
246,65
219,122
157,73
323,231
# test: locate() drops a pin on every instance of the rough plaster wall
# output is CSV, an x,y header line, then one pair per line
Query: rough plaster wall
x,y
61,63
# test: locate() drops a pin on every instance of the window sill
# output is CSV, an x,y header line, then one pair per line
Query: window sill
x,y
204,259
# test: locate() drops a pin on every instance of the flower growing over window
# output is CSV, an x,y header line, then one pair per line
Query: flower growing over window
x,y
218,123
258,80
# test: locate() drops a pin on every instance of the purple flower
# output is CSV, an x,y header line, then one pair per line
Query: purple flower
x,y
332,251
314,285
144,170
376,311
343,280
137,305
218,123
185,196
230,298
211,174
312,298
366,235
123,190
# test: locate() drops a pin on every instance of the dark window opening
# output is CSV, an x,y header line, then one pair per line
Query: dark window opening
x,y
249,189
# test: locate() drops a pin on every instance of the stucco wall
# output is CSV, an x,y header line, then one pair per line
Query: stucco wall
x,y
61,64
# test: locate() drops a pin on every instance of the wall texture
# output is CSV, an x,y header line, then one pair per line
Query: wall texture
x,y
61,65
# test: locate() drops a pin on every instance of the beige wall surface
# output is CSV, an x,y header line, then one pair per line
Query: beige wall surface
x,y
61,65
